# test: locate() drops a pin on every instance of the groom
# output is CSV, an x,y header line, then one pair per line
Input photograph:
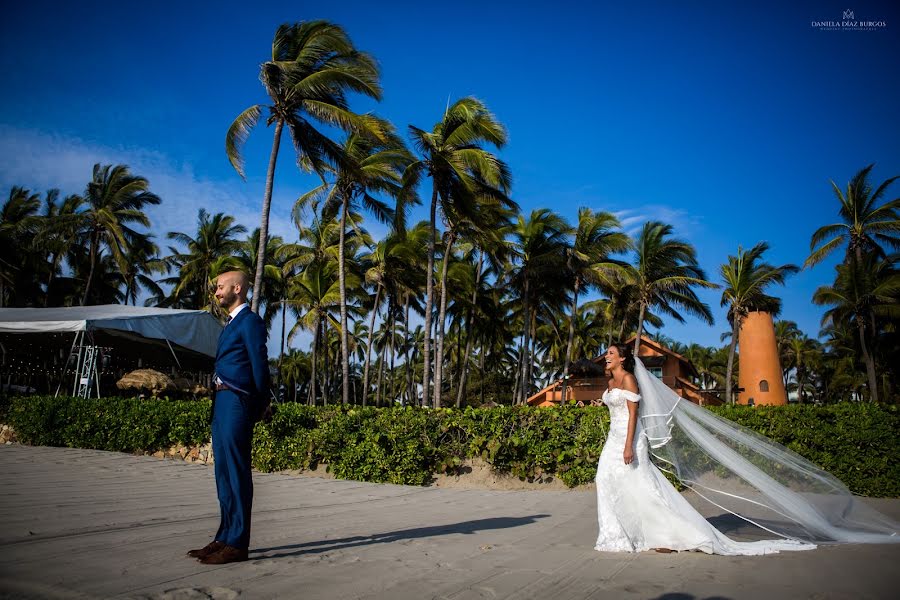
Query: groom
x,y
242,394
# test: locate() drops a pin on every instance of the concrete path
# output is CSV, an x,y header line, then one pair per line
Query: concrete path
x,y
90,524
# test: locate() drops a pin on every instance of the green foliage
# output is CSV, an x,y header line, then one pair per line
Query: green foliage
x,y
858,443
118,424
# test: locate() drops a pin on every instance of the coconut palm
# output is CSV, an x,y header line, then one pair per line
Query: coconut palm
x,y
589,262
538,268
802,353
461,171
58,237
665,277
393,267
862,290
866,225
211,250
314,66
745,280
271,291
142,262
369,168
113,201
19,222
316,291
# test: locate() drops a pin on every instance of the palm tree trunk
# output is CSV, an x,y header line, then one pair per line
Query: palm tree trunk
x,y
264,221
481,386
283,327
87,286
393,394
470,339
640,330
526,330
870,362
365,385
49,281
326,371
345,353
439,353
736,327
574,314
312,374
532,342
407,369
429,297
380,369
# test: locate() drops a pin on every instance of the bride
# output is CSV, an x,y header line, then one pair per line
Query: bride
x,y
743,473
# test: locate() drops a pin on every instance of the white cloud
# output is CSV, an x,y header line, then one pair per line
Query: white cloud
x,y
40,161
682,221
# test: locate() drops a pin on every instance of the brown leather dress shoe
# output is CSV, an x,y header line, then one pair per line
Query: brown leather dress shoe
x,y
206,550
228,554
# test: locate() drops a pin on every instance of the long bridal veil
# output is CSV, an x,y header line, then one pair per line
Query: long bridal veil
x,y
750,476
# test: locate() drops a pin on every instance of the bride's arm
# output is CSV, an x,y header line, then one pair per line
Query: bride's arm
x,y
630,384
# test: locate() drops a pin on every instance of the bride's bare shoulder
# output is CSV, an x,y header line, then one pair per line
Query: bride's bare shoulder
x,y
630,383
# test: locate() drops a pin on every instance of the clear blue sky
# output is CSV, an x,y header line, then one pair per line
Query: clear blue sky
x,y
726,121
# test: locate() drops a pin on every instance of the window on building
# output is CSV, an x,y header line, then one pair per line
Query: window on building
x,y
750,402
764,386
656,371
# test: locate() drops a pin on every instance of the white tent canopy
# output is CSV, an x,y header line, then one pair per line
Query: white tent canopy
x,y
195,330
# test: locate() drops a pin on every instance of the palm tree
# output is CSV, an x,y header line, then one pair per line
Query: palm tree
x,y
865,226
18,223
314,67
746,280
58,236
461,170
142,261
209,252
785,333
588,262
538,272
802,351
368,168
316,291
393,268
114,199
665,277
271,291
862,290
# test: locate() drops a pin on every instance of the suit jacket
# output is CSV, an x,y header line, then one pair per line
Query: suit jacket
x,y
242,361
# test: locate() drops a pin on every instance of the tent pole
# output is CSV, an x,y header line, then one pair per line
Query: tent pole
x,y
62,375
172,350
78,335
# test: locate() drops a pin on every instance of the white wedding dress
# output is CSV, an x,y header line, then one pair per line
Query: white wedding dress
x,y
638,509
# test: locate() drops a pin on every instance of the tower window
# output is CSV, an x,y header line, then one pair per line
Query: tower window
x,y
764,386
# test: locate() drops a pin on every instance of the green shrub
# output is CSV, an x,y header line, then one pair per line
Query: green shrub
x,y
858,443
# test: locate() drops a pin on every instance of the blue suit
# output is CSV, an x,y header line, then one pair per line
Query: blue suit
x,y
242,365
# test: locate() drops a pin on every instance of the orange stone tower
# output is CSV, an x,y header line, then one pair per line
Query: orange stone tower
x,y
759,368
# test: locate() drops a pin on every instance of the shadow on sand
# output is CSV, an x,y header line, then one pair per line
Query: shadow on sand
x,y
680,596
466,527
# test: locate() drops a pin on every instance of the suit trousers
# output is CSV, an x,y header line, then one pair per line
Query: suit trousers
x,y
232,434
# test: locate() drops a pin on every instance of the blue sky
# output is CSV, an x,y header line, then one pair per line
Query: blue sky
x,y
726,121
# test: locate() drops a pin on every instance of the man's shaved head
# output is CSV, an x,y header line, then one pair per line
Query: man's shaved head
x,y
231,289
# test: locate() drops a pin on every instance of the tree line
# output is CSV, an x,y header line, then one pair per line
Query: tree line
x,y
500,293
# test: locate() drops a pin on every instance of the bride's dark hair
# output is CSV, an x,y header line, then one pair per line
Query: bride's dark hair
x,y
625,352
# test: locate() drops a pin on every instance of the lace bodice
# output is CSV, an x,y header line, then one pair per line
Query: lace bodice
x,y
617,401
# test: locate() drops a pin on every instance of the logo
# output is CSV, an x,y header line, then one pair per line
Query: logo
x,y
849,22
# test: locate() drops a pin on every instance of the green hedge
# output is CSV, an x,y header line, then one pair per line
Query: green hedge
x,y
859,443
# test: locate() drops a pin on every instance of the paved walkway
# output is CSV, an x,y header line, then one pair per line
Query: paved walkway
x,y
90,524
